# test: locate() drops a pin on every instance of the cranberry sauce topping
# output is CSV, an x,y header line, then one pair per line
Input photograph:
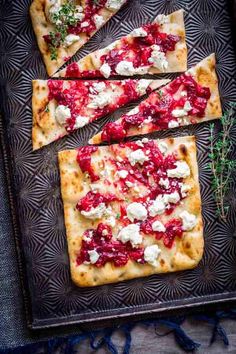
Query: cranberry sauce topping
x,y
92,7
84,161
78,94
92,200
139,50
151,172
109,250
173,229
158,109
72,70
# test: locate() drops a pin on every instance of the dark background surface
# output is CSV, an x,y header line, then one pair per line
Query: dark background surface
x,y
13,331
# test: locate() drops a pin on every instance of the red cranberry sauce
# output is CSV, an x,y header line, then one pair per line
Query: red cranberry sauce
x,y
92,200
84,161
90,10
109,250
173,229
138,50
78,94
158,108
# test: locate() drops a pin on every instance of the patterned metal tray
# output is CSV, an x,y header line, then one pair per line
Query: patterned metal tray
x,y
33,177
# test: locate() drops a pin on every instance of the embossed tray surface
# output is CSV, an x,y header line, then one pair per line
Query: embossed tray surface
x,y
33,177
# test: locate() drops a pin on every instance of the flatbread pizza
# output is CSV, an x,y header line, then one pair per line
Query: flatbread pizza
x,y
61,107
191,98
157,47
131,210
63,26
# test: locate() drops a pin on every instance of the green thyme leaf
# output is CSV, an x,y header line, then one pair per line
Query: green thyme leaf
x,y
46,109
222,166
118,216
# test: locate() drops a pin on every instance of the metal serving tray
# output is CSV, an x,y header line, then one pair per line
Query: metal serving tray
x,y
33,179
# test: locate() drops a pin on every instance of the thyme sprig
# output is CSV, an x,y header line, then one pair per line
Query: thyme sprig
x,y
62,19
221,165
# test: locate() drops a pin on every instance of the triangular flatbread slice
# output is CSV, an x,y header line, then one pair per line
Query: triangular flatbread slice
x,y
154,48
63,26
191,98
60,107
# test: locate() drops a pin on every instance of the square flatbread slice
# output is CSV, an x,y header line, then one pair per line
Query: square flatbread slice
x,y
158,47
191,98
63,26
61,107
131,210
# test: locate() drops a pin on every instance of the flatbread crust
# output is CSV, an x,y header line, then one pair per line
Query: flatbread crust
x,y
45,128
205,74
42,26
184,254
177,59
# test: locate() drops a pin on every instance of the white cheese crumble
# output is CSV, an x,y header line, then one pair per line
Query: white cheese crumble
x,y
125,68
137,156
100,100
70,39
105,70
98,20
129,184
97,87
130,233
185,188
142,86
122,173
136,211
93,256
162,19
158,58
114,4
95,213
80,122
189,220
139,32
163,147
151,254
172,198
62,113
173,123
157,207
111,221
182,170
158,226
164,182
182,112
84,24
183,93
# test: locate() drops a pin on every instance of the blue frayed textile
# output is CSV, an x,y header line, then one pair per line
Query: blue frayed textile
x,y
103,338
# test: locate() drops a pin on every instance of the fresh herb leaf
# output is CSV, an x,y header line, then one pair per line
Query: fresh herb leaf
x,y
118,216
221,165
160,93
62,19
46,109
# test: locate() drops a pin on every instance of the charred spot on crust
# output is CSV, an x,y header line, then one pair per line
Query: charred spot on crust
x,y
187,245
162,262
183,149
171,141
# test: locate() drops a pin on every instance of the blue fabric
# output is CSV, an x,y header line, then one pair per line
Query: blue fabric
x,y
103,338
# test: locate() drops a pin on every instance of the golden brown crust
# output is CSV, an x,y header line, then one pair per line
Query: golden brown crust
x,y
177,59
186,252
205,74
42,26
45,128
